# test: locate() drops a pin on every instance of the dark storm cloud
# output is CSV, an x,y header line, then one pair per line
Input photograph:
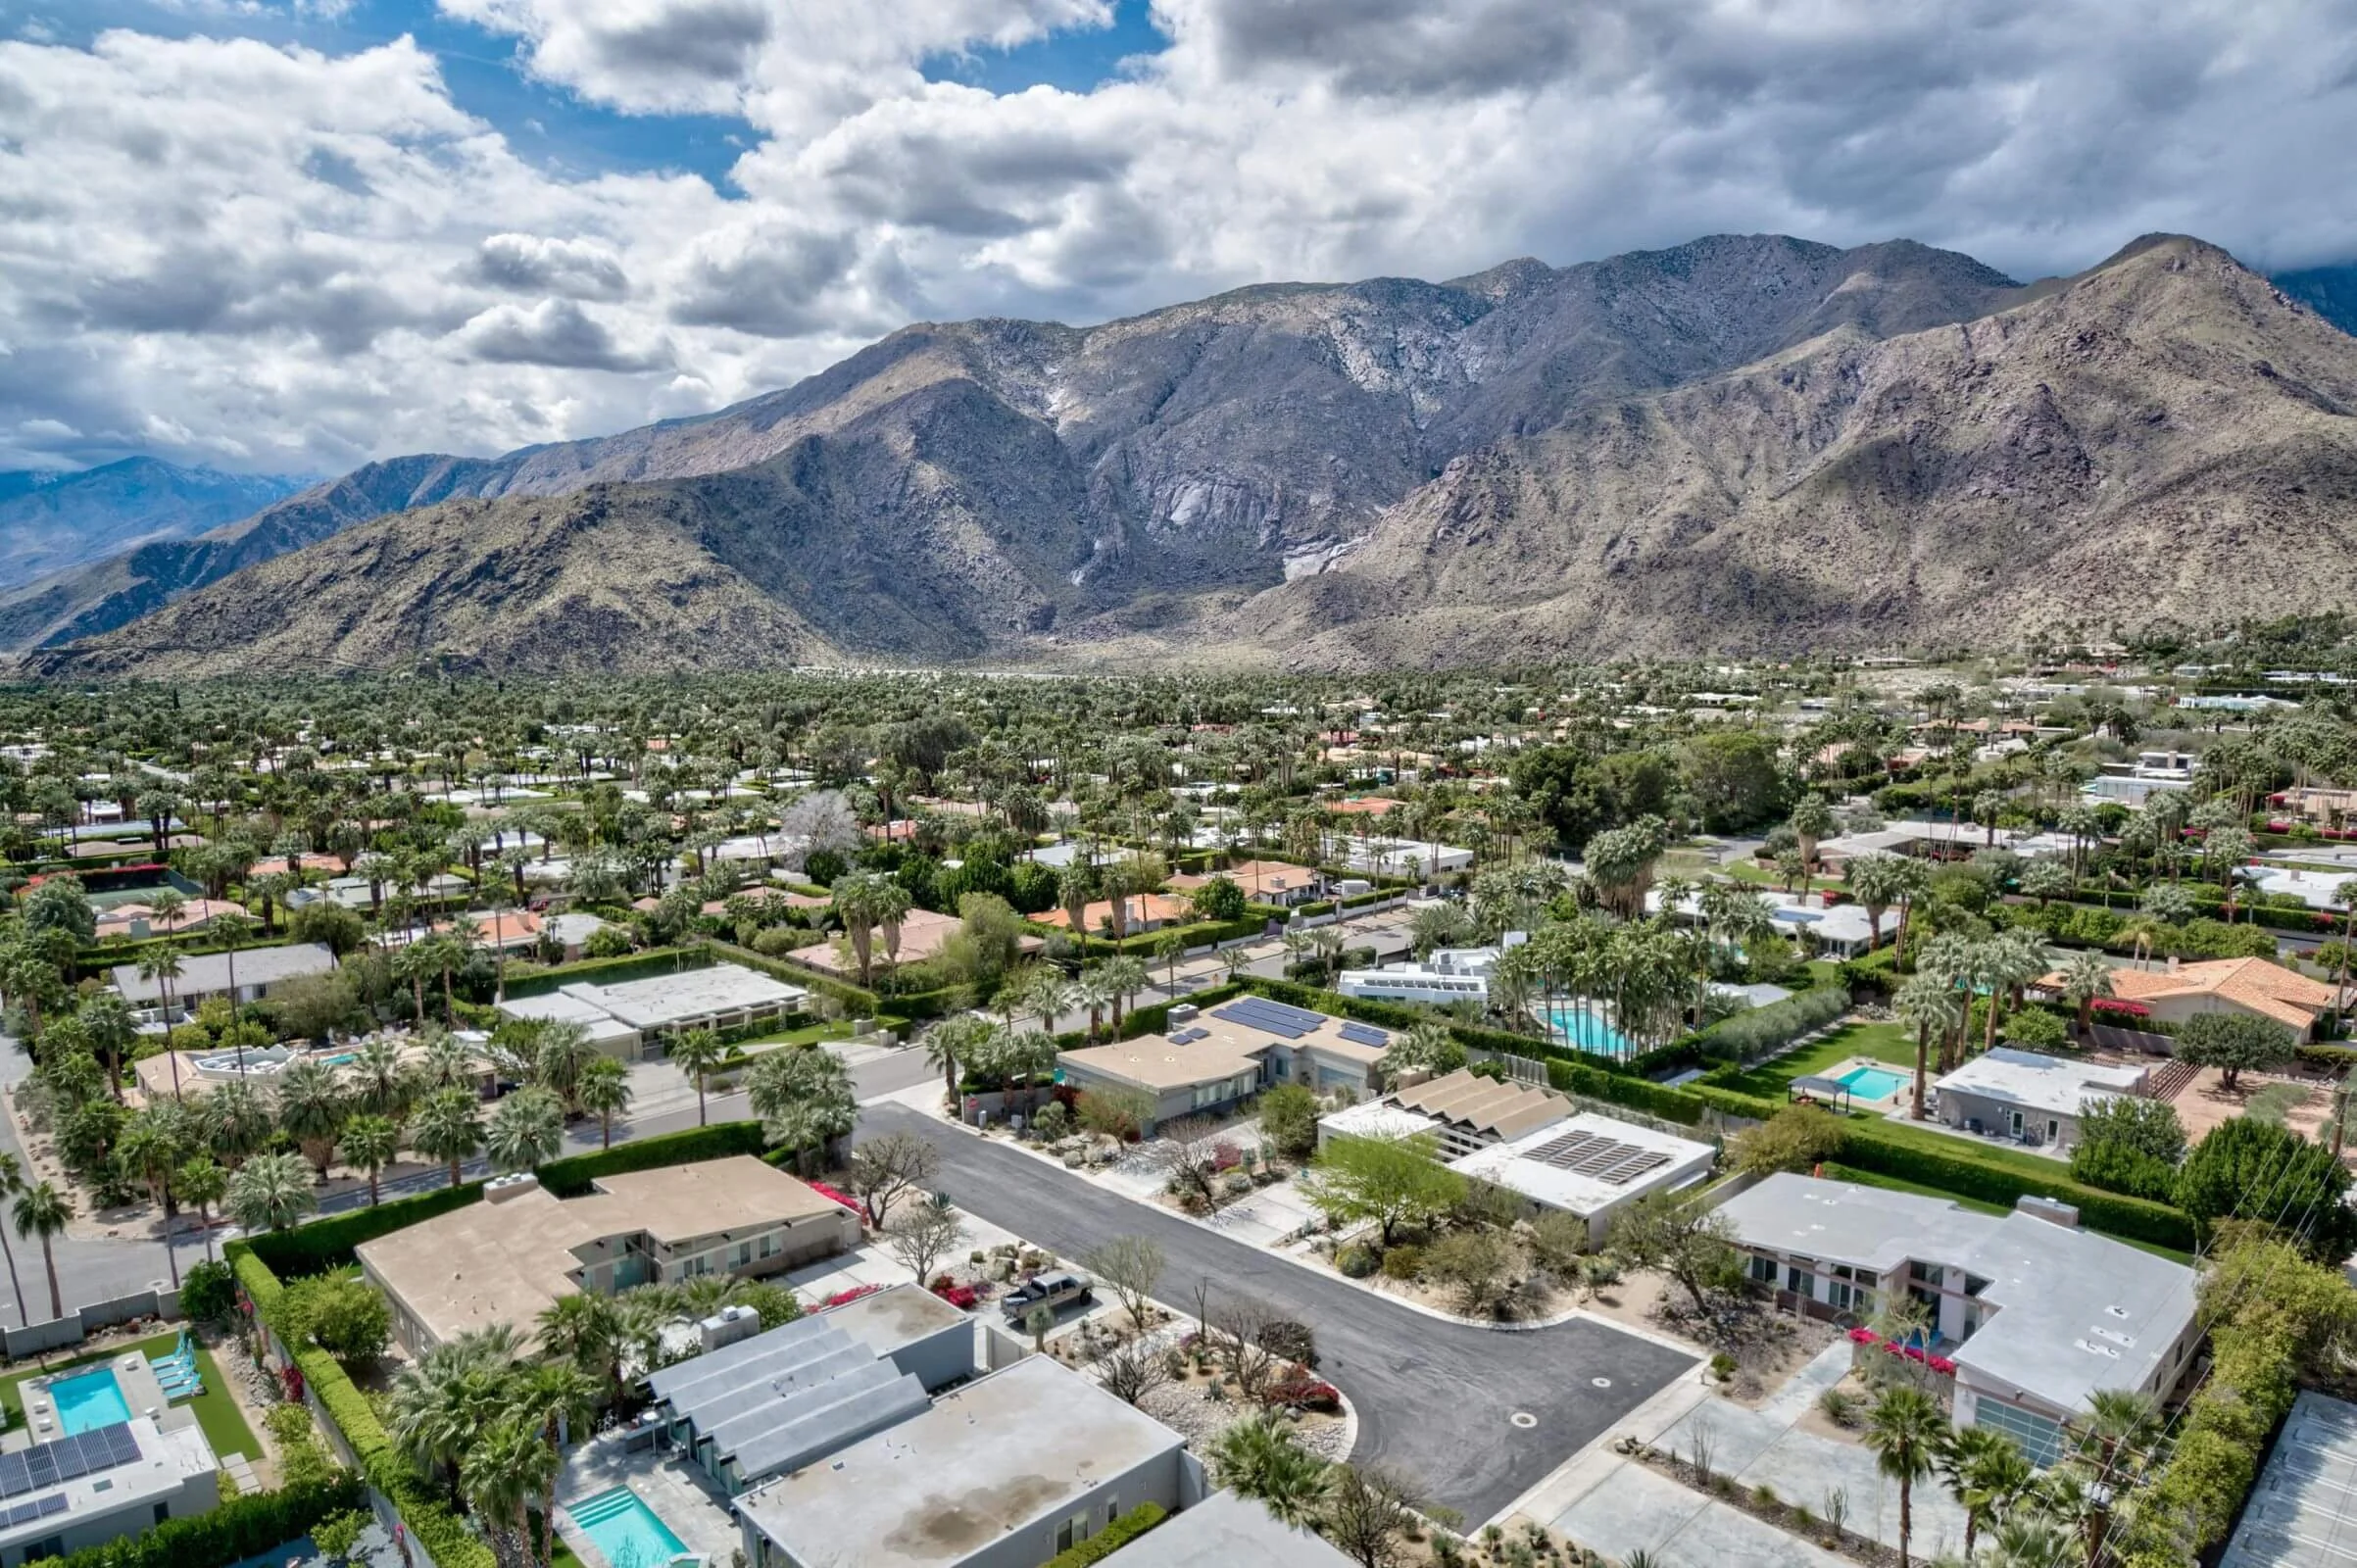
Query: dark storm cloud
x,y
536,264
555,333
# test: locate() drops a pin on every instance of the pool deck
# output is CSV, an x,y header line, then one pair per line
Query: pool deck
x,y
140,1391
673,1489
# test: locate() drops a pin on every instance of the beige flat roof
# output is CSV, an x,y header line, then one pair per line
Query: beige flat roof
x,y
506,1261
1156,1061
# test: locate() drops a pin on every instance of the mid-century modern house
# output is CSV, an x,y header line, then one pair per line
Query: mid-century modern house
x,y
1448,974
506,1258
1003,1472
1461,1112
1590,1165
1212,1060
637,1019
2036,1314
2030,1097
64,1493
204,976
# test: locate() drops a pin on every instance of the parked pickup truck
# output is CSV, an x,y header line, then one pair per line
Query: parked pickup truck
x,y
1055,1291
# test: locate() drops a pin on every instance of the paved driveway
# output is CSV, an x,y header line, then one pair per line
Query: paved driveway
x,y
1434,1397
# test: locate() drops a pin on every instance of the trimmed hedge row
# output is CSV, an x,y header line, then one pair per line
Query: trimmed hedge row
x,y
1637,1094
1972,1172
572,1176
1113,1538
861,1001
1748,1035
609,971
240,1528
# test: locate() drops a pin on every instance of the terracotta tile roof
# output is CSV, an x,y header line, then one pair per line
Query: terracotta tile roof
x,y
2265,987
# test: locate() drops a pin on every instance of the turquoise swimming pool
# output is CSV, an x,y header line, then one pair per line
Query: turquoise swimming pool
x,y
1585,1031
625,1530
89,1400
1871,1083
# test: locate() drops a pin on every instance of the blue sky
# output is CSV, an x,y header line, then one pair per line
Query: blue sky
x,y
549,123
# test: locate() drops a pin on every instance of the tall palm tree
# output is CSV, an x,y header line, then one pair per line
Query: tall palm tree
x,y
865,900
379,1084
804,1098
2115,1438
956,1039
1987,1472
11,1184
527,1131
1904,1429
1123,977
506,1467
2086,980
565,1050
448,1127
699,1053
1259,1459
1932,1005
370,1142
201,1184
313,1108
604,1090
586,1329
44,1211
271,1192
161,962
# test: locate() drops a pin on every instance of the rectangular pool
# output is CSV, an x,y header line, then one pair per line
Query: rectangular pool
x,y
89,1400
1871,1083
625,1530
1586,1030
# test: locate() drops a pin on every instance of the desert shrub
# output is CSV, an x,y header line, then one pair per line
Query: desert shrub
x,y
1355,1262
1404,1262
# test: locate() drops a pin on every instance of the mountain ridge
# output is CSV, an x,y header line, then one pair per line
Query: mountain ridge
x,y
1752,438
55,522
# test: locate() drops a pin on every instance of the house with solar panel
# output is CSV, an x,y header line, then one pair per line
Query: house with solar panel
x,y
83,1489
1213,1058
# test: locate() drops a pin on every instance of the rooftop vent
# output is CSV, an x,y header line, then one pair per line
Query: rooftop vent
x,y
2046,1208
499,1189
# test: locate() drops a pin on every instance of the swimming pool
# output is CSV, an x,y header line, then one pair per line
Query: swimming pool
x,y
625,1530
1586,1030
89,1400
1871,1083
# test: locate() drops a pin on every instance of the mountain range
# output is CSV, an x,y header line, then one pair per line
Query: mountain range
x,y
51,523
1745,443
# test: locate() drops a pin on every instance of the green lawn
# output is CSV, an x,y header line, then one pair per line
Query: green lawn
x,y
1890,1043
225,1425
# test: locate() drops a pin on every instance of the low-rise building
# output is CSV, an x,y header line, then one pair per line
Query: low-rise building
x,y
2316,807
506,1258
2256,988
1590,1165
1272,882
639,1018
67,1493
205,976
2030,1097
1449,974
1004,1472
2036,1314
1225,1531
1210,1059
1469,1112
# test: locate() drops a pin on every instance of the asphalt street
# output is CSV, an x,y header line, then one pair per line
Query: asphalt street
x,y
1435,1399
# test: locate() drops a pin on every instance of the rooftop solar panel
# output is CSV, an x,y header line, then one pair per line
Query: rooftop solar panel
x,y
53,1462
13,1477
55,1503
1362,1034
1253,1019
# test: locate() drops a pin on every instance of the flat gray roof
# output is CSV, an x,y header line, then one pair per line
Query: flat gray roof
x,y
894,1318
787,1397
661,1000
1226,1531
2076,1311
1007,1451
203,972
2052,1084
2303,1512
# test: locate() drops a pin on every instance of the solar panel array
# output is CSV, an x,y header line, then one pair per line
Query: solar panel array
x,y
24,1514
1360,1033
1272,1017
46,1464
1186,1034
1604,1159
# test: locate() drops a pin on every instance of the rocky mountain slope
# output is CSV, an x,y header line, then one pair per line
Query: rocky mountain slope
x,y
1226,441
1753,444
52,522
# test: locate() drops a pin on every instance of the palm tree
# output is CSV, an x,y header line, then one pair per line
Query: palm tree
x,y
1877,883
565,1050
507,1465
699,1053
863,900
379,1084
2086,979
161,963
586,1329
448,1127
11,1184
2113,1442
1987,1472
271,1192
604,1090
1904,1429
803,1096
955,1040
412,962
44,1211
527,1131
1932,1003
370,1142
312,1109
1259,1459
201,1184
1123,977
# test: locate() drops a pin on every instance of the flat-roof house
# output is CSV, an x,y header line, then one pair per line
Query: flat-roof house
x,y
1449,974
1590,1165
204,976
506,1258
71,1492
1225,1531
1262,882
1140,912
1213,1058
2038,1314
1004,1472
923,934
795,1394
2031,1098
636,1019
2254,987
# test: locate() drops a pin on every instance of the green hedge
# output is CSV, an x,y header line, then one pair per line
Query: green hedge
x,y
240,1528
1995,1176
570,1177
1745,1036
1620,1089
609,971
1113,1538
860,1001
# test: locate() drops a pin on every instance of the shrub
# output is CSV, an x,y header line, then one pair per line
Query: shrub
x,y
208,1292
342,1315
241,1527
1112,1539
2036,1029
607,941
1291,1338
1722,1366
1288,1120
1748,1035
1355,1262
1307,1394
2249,1169
1404,1262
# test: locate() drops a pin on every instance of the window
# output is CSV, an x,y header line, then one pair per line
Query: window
x,y
163,1511
1763,1269
1800,1279
1072,1532
2040,1439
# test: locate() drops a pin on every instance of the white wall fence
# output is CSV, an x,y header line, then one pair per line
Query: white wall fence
x,y
76,1325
